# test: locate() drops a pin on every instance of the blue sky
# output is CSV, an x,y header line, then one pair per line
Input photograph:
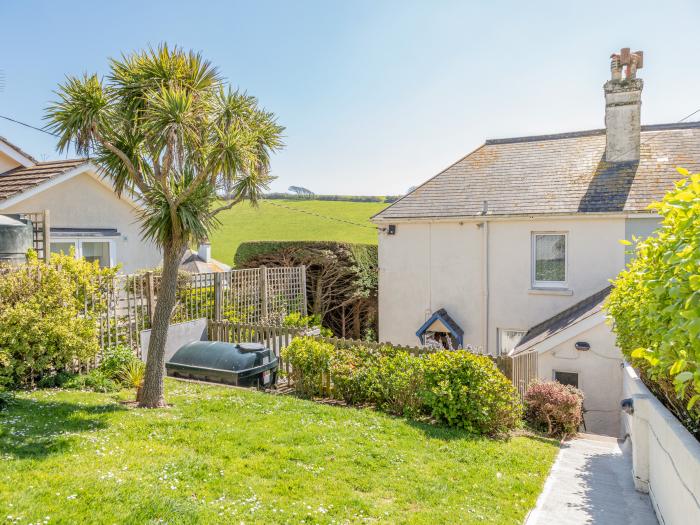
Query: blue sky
x,y
376,95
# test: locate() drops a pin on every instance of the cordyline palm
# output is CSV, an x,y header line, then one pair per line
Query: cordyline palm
x,y
164,128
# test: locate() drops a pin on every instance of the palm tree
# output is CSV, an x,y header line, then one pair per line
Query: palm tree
x,y
164,127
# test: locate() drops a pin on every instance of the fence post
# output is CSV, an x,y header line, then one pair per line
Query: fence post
x,y
150,295
263,293
46,226
218,294
304,306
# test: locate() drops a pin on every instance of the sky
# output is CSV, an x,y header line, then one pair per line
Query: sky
x,y
376,95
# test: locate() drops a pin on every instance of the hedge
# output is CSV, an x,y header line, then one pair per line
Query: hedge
x,y
455,388
655,303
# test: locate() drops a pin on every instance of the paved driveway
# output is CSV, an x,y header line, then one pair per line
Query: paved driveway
x,y
591,482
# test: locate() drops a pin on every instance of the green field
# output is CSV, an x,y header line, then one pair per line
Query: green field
x,y
224,455
270,222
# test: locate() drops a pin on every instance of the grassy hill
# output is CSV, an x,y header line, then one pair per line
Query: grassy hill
x,y
271,222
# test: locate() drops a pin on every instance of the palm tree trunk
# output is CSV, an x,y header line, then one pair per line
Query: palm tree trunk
x,y
152,395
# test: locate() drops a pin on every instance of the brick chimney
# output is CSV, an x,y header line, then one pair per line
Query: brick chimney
x,y
623,104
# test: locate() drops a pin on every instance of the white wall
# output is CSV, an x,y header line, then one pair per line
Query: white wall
x,y
423,268
427,266
6,163
599,373
83,202
665,456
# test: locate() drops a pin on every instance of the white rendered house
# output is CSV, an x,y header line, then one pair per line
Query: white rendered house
x,y
517,241
85,213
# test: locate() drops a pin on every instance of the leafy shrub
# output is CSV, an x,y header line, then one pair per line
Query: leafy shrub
x,y
56,380
387,377
43,326
115,359
132,375
95,380
655,302
468,391
6,399
355,373
400,378
554,408
296,320
309,359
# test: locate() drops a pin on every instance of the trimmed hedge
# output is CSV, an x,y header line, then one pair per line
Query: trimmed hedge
x,y
655,303
456,388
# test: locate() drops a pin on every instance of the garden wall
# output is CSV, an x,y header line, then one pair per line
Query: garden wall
x,y
666,457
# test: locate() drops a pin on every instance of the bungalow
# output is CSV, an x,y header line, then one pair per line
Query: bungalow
x,y
85,212
517,241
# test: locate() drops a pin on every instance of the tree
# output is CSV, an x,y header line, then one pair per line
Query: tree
x,y
301,191
164,127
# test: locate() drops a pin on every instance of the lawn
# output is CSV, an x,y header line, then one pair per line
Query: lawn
x,y
271,222
223,455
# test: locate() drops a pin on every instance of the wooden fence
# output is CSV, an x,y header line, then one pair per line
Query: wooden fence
x,y
524,371
261,296
278,337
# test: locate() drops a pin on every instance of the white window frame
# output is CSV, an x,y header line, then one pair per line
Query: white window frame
x,y
533,261
78,243
499,334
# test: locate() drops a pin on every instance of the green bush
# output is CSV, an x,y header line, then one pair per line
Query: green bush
x,y
387,377
115,360
95,380
296,320
309,359
6,399
56,380
655,302
468,391
355,373
43,324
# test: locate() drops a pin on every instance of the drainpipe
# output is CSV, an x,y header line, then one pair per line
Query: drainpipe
x,y
485,278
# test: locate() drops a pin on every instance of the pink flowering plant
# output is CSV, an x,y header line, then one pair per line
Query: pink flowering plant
x,y
554,408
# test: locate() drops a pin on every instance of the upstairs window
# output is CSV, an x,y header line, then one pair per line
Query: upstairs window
x,y
549,260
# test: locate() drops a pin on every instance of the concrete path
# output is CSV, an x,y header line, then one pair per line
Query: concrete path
x,y
591,482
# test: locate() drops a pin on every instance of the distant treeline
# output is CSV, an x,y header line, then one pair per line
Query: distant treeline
x,y
347,198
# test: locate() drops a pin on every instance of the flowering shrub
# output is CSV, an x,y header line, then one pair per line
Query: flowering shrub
x,y
468,391
554,408
43,326
655,302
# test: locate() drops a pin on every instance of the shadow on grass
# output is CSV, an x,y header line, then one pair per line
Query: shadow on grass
x,y
32,429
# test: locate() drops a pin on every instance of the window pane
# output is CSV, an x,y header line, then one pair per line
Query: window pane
x,y
508,339
96,251
550,258
62,247
567,378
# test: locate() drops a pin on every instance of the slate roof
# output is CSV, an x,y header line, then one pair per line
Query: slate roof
x,y
554,174
21,179
563,320
193,263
